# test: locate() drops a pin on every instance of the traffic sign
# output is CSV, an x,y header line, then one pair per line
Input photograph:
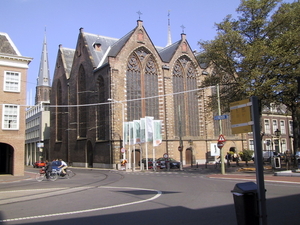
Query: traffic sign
x,y
166,156
220,144
180,148
122,150
221,138
240,114
221,117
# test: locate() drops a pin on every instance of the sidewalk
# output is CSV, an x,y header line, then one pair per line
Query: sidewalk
x,y
247,173
6,178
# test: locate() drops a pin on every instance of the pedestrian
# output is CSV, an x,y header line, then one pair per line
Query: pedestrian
x,y
288,159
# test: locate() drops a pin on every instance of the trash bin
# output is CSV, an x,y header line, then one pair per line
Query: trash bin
x,y
246,203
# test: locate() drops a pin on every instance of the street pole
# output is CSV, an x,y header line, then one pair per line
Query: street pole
x,y
259,162
221,131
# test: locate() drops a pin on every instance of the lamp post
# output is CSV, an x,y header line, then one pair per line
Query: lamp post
x,y
191,147
277,134
123,116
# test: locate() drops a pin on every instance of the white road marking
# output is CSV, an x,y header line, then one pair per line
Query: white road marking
x,y
157,195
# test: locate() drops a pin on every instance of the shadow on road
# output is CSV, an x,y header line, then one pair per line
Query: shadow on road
x,y
282,210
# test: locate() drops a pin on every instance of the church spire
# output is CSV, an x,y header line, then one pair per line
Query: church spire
x,y
44,74
43,80
169,31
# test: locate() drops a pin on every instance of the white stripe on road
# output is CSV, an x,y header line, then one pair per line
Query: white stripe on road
x,y
158,194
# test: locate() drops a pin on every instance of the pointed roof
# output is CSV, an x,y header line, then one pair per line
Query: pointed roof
x,y
67,56
110,47
116,48
7,46
105,43
167,53
44,74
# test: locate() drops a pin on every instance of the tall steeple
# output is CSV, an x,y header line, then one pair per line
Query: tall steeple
x,y
43,81
169,31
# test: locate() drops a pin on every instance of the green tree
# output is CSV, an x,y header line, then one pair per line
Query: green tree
x,y
257,55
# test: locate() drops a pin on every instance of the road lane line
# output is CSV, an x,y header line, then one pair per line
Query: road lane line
x,y
157,195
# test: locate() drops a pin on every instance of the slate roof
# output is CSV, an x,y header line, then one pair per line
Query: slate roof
x,y
116,48
167,53
7,46
106,43
112,46
67,55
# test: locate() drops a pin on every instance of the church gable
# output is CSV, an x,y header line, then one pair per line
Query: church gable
x,y
135,39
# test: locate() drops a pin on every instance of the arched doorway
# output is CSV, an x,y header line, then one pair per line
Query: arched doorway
x,y
188,156
6,158
90,154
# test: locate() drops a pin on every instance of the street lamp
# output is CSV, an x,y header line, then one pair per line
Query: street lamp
x,y
191,147
277,134
114,101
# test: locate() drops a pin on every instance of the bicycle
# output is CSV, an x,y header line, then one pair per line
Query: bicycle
x,y
69,173
217,163
41,175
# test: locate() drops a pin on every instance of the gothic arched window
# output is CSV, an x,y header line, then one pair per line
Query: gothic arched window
x,y
185,103
82,99
102,111
142,84
59,110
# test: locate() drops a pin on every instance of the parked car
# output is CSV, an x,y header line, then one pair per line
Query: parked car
x,y
150,163
162,163
39,164
269,154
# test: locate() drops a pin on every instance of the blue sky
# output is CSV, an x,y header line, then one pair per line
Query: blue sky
x,y
25,22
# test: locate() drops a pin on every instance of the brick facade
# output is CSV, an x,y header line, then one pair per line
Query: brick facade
x,y
91,125
12,141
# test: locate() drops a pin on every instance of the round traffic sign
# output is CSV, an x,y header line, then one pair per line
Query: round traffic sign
x,y
220,144
165,155
180,148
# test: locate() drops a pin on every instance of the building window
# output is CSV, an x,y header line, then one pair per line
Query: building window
x,y
267,127
59,113
10,119
275,125
102,111
142,85
291,127
185,103
283,145
282,127
82,99
268,144
251,145
12,81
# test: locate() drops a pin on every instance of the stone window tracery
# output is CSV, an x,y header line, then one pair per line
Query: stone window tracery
x,y
142,84
185,103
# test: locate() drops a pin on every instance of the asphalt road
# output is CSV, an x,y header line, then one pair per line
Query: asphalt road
x,y
117,197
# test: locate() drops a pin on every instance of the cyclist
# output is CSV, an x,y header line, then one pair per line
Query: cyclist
x,y
48,168
63,166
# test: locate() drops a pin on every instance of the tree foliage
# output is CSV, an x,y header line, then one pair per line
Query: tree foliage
x,y
257,54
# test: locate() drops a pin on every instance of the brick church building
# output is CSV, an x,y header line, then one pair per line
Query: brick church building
x,y
107,81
